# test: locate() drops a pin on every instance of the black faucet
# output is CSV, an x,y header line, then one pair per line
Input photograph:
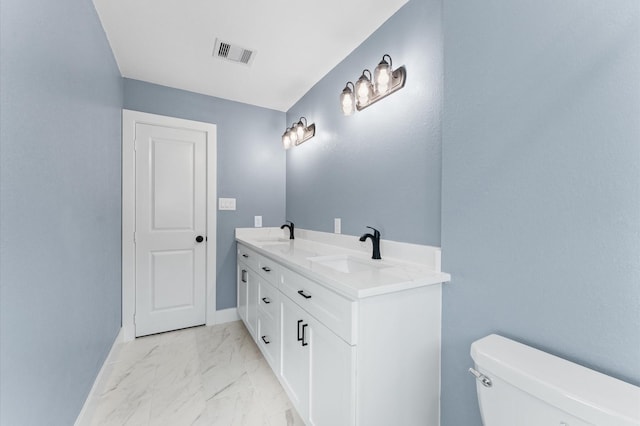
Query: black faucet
x,y
291,227
375,240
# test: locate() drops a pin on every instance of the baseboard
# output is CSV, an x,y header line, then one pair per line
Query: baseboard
x,y
86,414
227,315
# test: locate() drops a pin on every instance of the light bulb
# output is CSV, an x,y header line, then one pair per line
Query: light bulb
x,y
300,130
347,101
363,89
382,77
293,136
286,142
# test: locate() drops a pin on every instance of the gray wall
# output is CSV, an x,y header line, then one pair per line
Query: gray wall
x,y
251,163
60,96
541,185
381,166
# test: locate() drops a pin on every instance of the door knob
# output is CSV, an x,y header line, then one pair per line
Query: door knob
x,y
199,239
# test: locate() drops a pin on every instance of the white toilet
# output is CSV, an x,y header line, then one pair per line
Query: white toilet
x,y
521,386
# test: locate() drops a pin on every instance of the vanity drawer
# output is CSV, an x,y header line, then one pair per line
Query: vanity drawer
x,y
269,270
268,299
334,311
269,340
248,256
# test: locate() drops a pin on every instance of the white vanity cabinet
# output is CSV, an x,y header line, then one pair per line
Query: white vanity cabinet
x,y
259,301
296,355
269,334
332,369
243,284
348,361
247,287
317,368
248,297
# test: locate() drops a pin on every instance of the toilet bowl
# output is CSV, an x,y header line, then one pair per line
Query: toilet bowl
x,y
520,385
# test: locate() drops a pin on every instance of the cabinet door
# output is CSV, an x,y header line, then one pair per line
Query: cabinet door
x,y
269,339
296,342
243,279
252,303
332,387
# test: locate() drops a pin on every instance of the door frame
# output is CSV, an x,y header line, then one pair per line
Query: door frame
x,y
129,121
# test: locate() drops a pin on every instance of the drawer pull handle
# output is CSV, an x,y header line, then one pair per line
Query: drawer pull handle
x,y
266,300
266,340
304,326
245,255
303,294
266,269
244,275
299,337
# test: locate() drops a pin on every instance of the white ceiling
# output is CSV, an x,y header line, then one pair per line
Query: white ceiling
x,y
296,43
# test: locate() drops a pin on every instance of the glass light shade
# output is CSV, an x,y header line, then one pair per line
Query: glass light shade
x,y
300,130
293,136
382,77
347,101
363,90
286,142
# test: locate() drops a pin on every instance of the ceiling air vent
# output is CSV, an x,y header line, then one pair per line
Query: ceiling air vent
x,y
233,52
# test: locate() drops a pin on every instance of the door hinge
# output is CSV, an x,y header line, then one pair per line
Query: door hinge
x,y
134,236
135,145
134,319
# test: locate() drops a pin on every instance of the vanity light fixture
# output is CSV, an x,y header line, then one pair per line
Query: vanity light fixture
x,y
366,92
348,99
364,88
298,133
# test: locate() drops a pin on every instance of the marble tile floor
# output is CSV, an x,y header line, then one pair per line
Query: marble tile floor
x,y
198,376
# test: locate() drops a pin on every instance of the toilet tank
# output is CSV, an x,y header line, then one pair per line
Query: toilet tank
x,y
527,387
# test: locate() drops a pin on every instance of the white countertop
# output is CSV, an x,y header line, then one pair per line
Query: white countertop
x,y
384,276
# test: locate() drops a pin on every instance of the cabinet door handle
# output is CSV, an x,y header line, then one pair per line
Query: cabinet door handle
x,y
266,300
304,326
303,294
246,256
244,276
266,269
266,340
299,337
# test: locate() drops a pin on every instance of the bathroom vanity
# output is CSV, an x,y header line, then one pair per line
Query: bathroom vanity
x,y
353,341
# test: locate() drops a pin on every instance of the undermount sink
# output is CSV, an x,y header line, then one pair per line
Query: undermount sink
x,y
287,249
277,247
346,263
274,240
273,245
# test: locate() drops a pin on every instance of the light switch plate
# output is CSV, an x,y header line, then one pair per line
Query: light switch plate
x,y
226,203
257,221
337,225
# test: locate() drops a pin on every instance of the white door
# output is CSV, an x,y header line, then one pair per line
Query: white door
x,y
170,228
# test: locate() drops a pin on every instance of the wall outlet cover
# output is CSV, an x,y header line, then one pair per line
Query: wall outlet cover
x,y
337,225
257,221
